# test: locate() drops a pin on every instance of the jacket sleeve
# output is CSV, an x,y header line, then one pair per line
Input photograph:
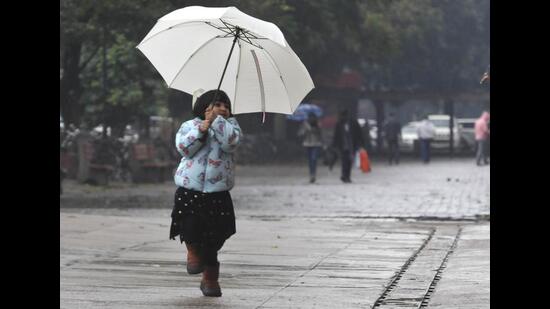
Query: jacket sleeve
x,y
227,133
188,138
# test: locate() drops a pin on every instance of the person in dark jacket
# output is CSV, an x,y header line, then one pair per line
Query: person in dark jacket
x,y
348,139
392,130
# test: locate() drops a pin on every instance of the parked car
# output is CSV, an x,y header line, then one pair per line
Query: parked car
x,y
467,133
442,132
373,132
409,137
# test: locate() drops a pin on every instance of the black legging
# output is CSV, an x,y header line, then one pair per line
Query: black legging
x,y
393,147
209,252
347,158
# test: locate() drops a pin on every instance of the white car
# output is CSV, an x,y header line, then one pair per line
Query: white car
x,y
373,129
466,127
442,132
409,137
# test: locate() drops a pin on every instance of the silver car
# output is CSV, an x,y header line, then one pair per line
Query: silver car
x,y
409,137
442,132
466,128
373,132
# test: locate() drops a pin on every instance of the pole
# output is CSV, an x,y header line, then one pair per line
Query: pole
x,y
450,107
379,125
226,63
104,71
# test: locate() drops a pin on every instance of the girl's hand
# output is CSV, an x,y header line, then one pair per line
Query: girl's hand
x,y
209,114
203,127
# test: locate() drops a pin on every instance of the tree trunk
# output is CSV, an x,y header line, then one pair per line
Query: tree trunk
x,y
146,125
450,110
70,87
379,125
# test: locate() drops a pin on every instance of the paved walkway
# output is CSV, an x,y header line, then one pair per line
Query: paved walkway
x,y
297,245
444,189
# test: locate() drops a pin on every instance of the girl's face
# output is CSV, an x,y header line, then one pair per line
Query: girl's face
x,y
221,108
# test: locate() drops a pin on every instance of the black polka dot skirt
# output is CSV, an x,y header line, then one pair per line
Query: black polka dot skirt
x,y
206,218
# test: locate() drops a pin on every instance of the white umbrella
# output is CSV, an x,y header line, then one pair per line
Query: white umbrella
x,y
189,47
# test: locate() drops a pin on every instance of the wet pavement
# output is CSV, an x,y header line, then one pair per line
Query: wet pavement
x,y
326,245
444,189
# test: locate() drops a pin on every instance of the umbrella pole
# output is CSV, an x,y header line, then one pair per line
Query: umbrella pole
x,y
226,63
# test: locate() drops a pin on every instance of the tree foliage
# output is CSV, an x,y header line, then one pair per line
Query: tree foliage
x,y
435,45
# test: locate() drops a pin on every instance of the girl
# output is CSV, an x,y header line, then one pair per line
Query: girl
x,y
203,214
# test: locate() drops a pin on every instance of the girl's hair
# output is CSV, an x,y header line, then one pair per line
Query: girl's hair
x,y
208,97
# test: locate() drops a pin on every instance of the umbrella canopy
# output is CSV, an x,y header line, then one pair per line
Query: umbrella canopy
x,y
303,110
192,50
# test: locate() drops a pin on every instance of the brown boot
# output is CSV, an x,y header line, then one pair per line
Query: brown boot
x,y
209,283
194,265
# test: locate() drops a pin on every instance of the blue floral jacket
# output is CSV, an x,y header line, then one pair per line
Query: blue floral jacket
x,y
207,166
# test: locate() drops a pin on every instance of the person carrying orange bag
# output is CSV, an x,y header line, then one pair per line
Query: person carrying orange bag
x,y
364,161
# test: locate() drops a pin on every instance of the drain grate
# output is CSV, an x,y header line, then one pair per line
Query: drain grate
x,y
396,295
437,276
393,283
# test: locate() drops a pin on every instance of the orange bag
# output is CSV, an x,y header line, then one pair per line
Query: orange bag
x,y
365,163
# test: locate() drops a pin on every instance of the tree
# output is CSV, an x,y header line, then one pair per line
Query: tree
x,y
436,45
433,45
98,38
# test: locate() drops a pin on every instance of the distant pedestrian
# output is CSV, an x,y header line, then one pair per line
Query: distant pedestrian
x,y
486,76
392,130
366,136
312,141
348,139
426,133
203,214
62,175
482,136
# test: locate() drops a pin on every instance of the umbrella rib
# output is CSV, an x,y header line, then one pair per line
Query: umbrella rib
x,y
233,30
290,53
220,28
237,77
185,23
252,34
274,64
255,45
232,27
193,54
260,79
250,41
229,31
